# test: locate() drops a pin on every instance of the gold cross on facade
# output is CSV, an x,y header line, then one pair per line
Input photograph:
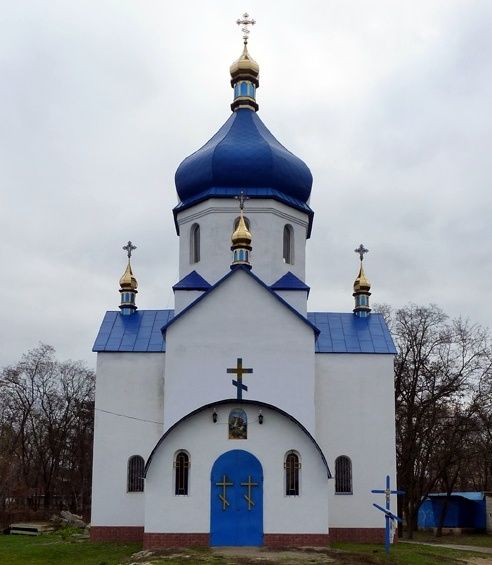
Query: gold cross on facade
x,y
249,484
239,370
223,497
245,22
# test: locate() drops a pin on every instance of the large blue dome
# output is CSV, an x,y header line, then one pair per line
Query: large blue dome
x,y
243,155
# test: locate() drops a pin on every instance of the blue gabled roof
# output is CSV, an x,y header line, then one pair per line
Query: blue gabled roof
x,y
248,271
338,333
290,282
192,281
139,332
347,333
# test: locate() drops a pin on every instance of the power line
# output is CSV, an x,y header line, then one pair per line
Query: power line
x,y
129,417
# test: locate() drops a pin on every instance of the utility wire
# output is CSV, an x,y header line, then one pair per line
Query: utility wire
x,y
129,417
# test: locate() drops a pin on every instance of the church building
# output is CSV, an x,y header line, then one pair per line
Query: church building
x,y
240,417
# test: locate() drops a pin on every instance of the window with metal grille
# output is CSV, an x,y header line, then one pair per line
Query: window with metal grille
x,y
195,243
292,466
182,467
135,475
343,475
288,245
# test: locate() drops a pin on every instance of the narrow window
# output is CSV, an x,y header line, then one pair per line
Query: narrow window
x,y
343,475
135,475
238,424
288,245
182,467
236,222
292,467
195,243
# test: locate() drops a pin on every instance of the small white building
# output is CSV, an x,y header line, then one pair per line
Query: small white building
x,y
239,417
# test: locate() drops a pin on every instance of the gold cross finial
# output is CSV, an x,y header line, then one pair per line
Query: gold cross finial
x,y
361,250
245,22
241,199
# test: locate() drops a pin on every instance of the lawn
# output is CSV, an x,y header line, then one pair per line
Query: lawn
x,y
51,549
60,549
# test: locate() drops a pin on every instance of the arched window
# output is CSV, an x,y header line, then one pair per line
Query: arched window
x,y
182,470
238,424
292,466
343,475
288,245
246,221
135,474
195,243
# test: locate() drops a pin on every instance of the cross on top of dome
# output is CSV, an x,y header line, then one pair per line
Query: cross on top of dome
x,y
245,22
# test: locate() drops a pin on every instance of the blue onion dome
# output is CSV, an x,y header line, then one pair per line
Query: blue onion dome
x,y
244,155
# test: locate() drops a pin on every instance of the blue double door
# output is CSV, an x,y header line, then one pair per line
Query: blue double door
x,y
236,506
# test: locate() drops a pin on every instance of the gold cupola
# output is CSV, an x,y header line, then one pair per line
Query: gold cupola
x,y
245,72
128,285
362,286
241,237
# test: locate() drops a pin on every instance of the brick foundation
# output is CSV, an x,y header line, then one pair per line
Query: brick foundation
x,y
360,535
290,540
117,533
159,540
154,541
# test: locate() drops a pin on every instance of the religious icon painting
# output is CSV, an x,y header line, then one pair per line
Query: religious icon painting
x,y
238,424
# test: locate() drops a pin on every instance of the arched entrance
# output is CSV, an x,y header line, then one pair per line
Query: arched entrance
x,y
236,504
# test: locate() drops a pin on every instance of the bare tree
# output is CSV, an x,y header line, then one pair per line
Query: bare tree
x,y
46,423
439,368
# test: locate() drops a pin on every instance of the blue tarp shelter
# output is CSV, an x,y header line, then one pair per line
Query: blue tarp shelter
x,y
465,510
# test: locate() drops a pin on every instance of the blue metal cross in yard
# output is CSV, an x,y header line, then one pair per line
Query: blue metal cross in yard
x,y
388,515
239,370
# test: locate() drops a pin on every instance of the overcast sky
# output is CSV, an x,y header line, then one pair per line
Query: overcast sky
x,y
388,102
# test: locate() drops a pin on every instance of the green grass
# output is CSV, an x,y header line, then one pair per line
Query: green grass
x,y
409,554
51,549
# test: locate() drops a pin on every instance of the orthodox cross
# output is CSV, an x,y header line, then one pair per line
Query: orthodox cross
x,y
241,199
388,515
245,22
223,497
361,250
129,247
239,370
248,498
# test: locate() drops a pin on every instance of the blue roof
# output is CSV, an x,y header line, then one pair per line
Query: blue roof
x,y
192,281
339,333
138,332
244,155
347,333
467,495
290,282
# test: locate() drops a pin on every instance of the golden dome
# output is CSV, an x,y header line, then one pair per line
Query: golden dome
x,y
361,283
128,280
245,68
241,236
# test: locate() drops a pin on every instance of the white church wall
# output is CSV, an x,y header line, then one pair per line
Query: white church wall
x,y
267,220
205,442
295,298
355,416
183,298
130,384
240,319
